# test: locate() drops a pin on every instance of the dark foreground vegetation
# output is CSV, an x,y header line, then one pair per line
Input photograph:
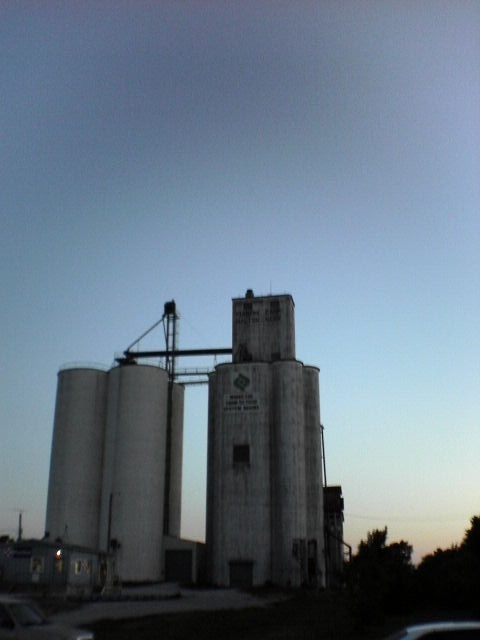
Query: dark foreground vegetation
x,y
381,578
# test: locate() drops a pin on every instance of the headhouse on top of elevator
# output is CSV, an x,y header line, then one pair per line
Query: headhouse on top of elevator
x,y
263,328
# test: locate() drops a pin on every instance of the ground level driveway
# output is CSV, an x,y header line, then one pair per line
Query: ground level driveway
x,y
168,598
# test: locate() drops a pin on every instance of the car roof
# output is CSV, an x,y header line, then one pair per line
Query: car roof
x,y
8,599
445,626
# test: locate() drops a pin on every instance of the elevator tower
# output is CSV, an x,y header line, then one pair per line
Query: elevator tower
x,y
264,479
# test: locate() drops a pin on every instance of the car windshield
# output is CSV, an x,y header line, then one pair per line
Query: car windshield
x,y
25,614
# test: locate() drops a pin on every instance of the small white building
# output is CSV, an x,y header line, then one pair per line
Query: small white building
x,y
51,565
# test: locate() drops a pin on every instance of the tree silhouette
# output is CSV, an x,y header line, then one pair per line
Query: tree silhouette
x,y
471,540
380,577
450,578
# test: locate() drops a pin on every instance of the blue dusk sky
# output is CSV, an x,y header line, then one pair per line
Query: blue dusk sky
x,y
192,150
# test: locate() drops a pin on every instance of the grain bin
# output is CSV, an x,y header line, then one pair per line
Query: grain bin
x,y
74,490
134,470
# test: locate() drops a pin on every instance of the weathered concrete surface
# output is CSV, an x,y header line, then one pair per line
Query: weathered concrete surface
x,y
264,483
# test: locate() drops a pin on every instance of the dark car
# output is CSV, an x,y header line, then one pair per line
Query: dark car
x,y
21,620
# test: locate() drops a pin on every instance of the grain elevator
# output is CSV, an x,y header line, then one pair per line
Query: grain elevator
x,y
115,481
264,479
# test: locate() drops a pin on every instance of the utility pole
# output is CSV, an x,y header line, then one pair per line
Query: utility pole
x,y
20,530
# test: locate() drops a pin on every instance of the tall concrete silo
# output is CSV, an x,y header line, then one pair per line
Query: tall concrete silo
x,y
74,490
239,503
288,454
314,475
134,470
262,479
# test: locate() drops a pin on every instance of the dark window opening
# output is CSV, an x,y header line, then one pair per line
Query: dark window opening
x,y
241,454
241,574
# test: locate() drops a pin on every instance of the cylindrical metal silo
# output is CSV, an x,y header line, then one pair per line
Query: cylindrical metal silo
x,y
74,489
176,462
134,469
288,477
314,477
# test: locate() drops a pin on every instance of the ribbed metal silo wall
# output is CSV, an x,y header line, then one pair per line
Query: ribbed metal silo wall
x,y
314,477
74,489
134,478
289,527
239,480
176,462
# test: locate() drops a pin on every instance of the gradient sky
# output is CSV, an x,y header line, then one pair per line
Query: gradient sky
x,y
192,150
